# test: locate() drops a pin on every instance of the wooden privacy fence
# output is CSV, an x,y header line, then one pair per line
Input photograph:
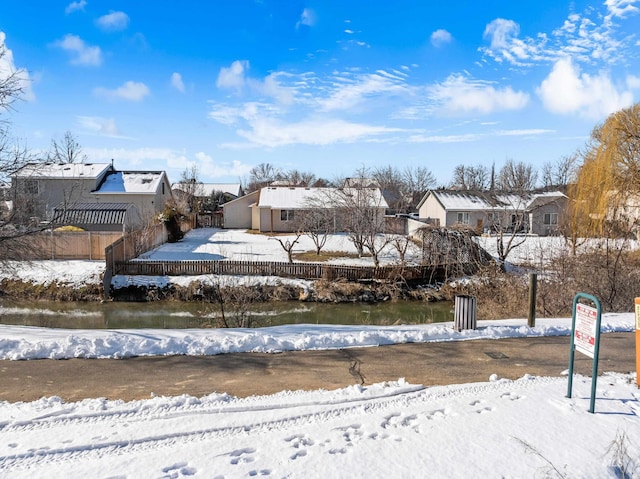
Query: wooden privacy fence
x,y
286,270
134,244
65,245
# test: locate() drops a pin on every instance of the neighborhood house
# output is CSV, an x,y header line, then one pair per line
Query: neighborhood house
x,y
93,196
276,208
534,213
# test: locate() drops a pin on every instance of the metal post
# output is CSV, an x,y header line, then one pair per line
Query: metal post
x,y
533,289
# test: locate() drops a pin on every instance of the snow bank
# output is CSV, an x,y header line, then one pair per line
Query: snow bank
x,y
23,342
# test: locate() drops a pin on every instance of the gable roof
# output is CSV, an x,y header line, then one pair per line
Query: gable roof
x,y
462,200
62,170
139,182
289,197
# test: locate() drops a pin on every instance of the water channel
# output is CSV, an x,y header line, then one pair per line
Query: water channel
x,y
178,315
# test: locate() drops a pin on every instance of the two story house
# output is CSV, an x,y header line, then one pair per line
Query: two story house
x,y
72,192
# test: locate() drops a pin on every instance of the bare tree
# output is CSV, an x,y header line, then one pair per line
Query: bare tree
x,y
475,178
288,245
508,220
191,190
316,221
297,178
67,150
560,173
262,175
14,154
517,176
361,214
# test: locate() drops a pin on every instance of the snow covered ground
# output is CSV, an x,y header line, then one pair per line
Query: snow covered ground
x,y
499,428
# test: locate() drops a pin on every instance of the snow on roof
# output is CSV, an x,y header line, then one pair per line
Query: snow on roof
x,y
462,200
131,182
285,197
281,197
482,201
62,170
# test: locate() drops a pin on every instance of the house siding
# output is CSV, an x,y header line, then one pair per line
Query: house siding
x,y
432,209
238,214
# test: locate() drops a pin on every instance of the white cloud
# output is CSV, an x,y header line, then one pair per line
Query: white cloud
x,y
621,8
307,18
130,90
270,133
82,54
99,125
233,77
75,6
568,91
8,68
633,82
126,158
113,21
176,82
440,37
505,44
458,94
595,36
349,91
216,169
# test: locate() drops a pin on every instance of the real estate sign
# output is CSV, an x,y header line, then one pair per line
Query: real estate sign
x,y
585,329
585,337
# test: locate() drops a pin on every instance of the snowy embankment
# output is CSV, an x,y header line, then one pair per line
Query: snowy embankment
x,y
22,342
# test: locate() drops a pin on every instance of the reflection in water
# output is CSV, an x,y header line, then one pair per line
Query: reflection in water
x,y
176,315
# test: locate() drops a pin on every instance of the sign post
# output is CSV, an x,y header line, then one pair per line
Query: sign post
x,y
585,338
637,305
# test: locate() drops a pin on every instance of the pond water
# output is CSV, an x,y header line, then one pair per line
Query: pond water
x,y
177,315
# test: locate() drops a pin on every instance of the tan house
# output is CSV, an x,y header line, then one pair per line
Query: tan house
x,y
275,208
237,213
38,188
148,191
534,213
41,190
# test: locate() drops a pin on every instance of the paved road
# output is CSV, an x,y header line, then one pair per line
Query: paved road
x,y
246,374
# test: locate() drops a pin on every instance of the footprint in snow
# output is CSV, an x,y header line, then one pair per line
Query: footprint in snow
x,y
242,455
511,396
298,440
485,410
179,469
261,472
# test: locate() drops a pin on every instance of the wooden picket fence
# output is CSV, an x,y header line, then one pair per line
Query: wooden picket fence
x,y
309,271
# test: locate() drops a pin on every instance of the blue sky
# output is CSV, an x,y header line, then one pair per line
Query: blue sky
x,y
326,86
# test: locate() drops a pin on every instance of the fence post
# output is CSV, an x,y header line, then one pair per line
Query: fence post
x,y
533,289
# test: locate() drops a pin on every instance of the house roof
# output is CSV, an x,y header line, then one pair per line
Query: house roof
x,y
140,182
285,197
93,213
62,170
459,200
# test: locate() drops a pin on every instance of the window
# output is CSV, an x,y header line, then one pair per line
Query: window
x,y
551,218
31,187
463,217
286,215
